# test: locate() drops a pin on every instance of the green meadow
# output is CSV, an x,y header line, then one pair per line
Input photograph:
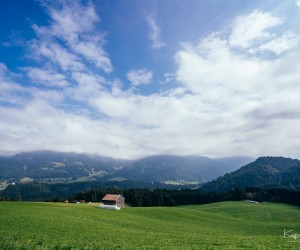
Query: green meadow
x,y
224,225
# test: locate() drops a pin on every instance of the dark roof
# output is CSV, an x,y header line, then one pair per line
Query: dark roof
x,y
111,197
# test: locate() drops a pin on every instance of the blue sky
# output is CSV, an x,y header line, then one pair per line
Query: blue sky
x,y
129,79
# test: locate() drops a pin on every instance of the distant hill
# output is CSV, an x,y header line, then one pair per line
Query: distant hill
x,y
179,169
266,172
57,167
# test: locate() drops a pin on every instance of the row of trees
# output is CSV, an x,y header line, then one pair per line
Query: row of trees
x,y
142,197
138,197
164,197
35,191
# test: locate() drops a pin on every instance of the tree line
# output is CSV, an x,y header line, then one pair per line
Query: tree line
x,y
36,191
164,197
145,197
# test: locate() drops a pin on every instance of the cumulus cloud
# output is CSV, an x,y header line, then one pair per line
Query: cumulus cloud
x,y
139,76
297,2
155,36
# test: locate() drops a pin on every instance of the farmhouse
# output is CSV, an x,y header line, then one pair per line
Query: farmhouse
x,y
113,201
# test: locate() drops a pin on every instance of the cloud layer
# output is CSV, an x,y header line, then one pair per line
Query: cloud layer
x,y
236,93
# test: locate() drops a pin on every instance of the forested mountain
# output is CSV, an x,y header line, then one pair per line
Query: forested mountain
x,y
266,172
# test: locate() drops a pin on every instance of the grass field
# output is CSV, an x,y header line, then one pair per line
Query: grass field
x,y
225,225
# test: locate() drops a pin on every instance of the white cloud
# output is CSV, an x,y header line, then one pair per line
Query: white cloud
x,y
168,77
11,93
46,77
94,53
155,36
281,44
297,2
217,68
139,76
57,55
72,35
3,69
89,86
247,94
66,19
252,28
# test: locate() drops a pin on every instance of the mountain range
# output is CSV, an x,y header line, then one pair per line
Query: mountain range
x,y
47,175
57,167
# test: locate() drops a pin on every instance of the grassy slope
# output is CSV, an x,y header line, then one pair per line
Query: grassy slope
x,y
226,225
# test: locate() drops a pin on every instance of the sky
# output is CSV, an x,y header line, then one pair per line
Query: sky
x,y
129,79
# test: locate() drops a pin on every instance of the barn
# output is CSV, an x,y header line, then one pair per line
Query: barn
x,y
113,201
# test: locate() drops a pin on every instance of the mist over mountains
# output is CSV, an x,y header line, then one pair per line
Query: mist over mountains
x,y
214,175
57,167
181,169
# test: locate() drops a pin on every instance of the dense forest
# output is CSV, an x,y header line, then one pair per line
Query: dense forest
x,y
35,191
165,197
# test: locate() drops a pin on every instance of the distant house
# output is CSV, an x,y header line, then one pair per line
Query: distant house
x,y
113,201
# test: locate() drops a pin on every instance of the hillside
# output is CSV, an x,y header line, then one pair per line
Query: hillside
x,y
56,167
225,225
266,172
